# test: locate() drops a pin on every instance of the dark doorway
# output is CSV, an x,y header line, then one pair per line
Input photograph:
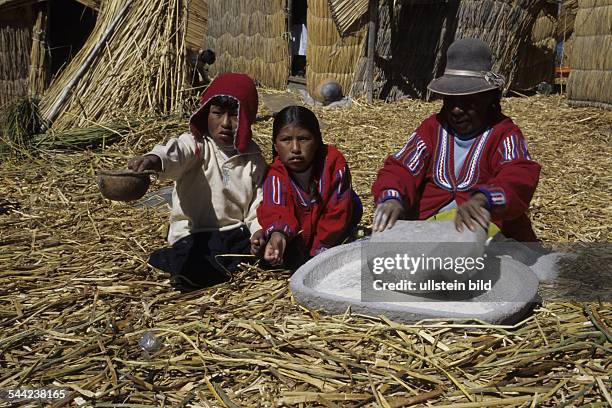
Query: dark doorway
x,y
299,37
70,24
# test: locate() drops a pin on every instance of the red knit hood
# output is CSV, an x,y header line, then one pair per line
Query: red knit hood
x,y
239,86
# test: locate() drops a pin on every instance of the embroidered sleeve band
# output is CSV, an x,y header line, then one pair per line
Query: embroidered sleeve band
x,y
389,194
496,198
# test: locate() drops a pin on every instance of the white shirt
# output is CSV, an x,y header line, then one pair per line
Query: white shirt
x,y
213,191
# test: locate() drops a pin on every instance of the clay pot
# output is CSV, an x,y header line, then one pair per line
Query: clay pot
x,y
124,185
328,91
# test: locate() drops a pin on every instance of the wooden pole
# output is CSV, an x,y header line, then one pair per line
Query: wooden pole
x,y
372,29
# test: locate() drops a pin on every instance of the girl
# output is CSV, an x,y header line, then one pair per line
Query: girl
x,y
308,201
466,159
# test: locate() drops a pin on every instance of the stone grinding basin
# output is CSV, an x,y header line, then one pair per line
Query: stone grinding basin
x,y
332,282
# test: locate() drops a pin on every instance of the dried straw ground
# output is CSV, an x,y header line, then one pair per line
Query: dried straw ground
x,y
76,293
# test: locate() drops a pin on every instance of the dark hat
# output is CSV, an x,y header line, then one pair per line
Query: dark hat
x,y
468,70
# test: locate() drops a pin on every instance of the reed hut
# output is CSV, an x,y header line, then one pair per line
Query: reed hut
x,y
590,80
409,53
23,60
251,36
137,60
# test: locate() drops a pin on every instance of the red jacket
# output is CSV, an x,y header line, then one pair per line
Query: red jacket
x,y
498,165
319,223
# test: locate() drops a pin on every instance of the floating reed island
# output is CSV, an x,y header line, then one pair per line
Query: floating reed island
x,y
76,294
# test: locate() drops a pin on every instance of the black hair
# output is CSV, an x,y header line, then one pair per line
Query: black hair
x,y
208,57
297,116
223,101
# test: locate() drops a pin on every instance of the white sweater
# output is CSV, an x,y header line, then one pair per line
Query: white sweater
x,y
212,192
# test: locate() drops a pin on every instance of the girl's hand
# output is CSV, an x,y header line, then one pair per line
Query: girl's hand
x,y
387,214
473,213
258,243
147,162
275,249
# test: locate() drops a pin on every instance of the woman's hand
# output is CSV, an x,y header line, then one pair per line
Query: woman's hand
x,y
258,243
473,213
386,214
275,249
146,162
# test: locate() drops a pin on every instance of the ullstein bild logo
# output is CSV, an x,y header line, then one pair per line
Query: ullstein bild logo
x,y
431,285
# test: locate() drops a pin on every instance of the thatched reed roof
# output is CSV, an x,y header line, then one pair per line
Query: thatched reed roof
x,y
249,36
329,55
347,14
590,81
139,69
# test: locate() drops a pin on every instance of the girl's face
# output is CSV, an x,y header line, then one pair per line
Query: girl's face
x,y
296,147
467,113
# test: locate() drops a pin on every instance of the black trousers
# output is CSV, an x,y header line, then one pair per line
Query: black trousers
x,y
200,260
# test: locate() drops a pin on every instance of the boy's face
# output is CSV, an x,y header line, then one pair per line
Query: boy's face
x,y
222,125
296,148
467,113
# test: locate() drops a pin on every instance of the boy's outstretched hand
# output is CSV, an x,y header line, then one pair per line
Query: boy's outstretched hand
x,y
386,214
258,243
473,213
146,162
275,249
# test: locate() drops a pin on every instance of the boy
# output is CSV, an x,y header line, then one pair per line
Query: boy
x,y
218,171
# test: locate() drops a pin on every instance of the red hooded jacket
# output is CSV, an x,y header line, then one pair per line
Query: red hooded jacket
x,y
319,223
242,88
498,165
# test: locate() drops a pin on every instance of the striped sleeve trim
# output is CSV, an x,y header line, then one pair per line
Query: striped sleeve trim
x,y
513,148
496,197
389,194
280,227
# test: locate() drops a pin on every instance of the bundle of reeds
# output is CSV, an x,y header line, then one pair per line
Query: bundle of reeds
x,y
38,77
590,80
102,135
249,37
330,56
140,68
19,122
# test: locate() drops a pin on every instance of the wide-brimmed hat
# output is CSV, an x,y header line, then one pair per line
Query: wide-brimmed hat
x,y
468,70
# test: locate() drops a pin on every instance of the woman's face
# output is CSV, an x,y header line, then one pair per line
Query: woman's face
x,y
468,113
296,147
